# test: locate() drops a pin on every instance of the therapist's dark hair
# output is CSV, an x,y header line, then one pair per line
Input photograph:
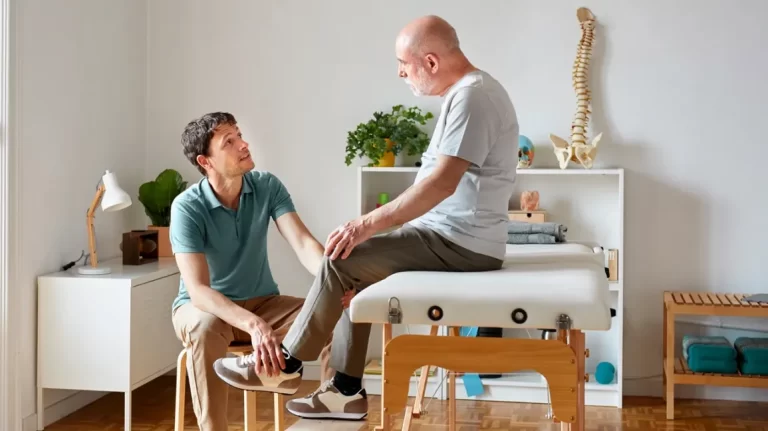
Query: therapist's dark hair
x,y
196,137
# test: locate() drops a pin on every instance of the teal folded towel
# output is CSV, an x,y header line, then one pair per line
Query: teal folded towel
x,y
752,348
530,238
753,369
708,347
555,230
752,355
705,365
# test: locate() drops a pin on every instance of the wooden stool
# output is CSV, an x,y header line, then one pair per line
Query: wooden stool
x,y
249,397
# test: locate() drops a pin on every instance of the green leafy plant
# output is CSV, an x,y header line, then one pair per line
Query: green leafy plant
x,y
157,196
401,127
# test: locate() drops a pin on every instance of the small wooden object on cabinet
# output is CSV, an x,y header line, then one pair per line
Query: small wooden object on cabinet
x,y
538,216
140,247
676,370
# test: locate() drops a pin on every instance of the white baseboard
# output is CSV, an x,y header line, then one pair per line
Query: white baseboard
x,y
62,408
655,388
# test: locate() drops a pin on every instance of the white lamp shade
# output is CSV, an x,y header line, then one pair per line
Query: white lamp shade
x,y
114,198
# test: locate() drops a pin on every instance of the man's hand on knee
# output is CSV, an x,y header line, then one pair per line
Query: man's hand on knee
x,y
346,237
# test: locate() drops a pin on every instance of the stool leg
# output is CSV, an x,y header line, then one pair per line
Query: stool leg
x,y
181,390
279,415
386,336
249,399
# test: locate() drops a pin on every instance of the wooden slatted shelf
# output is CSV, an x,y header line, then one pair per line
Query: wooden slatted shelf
x,y
676,370
684,376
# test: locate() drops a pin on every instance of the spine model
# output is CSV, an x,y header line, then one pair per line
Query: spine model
x,y
579,150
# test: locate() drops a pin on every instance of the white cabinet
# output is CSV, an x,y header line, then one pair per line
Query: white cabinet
x,y
106,332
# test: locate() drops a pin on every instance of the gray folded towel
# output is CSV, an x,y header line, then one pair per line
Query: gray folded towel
x,y
530,238
549,228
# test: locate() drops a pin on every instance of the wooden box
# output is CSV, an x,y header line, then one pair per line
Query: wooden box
x,y
140,247
538,216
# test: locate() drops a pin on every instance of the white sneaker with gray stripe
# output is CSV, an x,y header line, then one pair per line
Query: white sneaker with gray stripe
x,y
328,403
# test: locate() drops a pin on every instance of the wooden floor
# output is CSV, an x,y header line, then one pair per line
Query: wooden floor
x,y
153,406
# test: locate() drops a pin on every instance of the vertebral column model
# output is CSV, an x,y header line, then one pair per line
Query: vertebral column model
x,y
578,150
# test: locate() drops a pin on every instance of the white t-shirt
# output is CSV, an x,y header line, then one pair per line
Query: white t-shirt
x,y
478,123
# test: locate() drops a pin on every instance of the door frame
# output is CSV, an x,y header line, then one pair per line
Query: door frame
x,y
10,397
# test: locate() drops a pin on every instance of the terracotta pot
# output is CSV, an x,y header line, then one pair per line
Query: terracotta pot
x,y
163,241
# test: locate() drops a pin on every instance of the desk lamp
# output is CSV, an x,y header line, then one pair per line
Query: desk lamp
x,y
112,198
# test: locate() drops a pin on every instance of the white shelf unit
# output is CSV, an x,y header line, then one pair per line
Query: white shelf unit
x,y
590,202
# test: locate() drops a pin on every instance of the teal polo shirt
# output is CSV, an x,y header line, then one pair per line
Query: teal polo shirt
x,y
234,242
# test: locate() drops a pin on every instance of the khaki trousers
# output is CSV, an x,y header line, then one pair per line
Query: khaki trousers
x,y
406,249
206,338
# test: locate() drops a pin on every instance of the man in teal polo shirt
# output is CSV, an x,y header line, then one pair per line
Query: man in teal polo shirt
x,y
227,293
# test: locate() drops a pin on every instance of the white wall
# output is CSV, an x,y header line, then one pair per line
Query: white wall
x,y
81,110
678,92
691,86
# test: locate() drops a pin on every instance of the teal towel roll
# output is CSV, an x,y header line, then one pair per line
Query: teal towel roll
x,y
555,230
532,238
752,349
708,347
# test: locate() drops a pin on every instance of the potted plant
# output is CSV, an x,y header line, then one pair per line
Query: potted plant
x,y
157,196
388,134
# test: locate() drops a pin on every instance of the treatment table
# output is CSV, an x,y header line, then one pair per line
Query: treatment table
x,y
558,287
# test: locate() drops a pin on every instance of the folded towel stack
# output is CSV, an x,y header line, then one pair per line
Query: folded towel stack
x,y
709,354
520,232
752,355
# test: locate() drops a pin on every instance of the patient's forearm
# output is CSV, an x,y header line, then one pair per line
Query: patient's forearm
x,y
413,203
213,302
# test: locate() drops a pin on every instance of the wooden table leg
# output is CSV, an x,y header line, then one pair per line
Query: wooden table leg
x,y
453,332
577,340
386,336
418,404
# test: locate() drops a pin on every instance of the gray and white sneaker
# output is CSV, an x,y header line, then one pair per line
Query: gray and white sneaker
x,y
328,403
240,372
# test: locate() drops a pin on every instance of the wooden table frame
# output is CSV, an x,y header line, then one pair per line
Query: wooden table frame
x,y
560,361
676,370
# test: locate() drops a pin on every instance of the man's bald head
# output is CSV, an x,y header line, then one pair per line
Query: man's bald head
x,y
429,56
429,34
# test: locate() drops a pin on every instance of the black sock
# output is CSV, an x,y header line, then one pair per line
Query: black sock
x,y
346,384
291,364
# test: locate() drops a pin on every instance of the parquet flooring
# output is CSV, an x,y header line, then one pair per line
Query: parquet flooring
x,y
153,406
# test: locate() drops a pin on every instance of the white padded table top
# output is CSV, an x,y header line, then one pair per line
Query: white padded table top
x,y
544,281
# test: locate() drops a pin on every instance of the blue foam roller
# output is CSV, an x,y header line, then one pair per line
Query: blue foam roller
x,y
605,372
